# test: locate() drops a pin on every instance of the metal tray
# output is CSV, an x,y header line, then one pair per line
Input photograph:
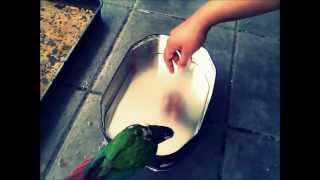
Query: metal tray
x,y
95,6
139,75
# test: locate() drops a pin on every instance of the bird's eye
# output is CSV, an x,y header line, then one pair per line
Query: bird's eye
x,y
138,132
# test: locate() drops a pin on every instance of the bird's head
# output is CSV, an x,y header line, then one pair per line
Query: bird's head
x,y
155,133
159,134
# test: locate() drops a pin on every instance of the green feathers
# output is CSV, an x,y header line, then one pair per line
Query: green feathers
x,y
132,148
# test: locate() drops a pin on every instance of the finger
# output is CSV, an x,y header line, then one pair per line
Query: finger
x,y
169,51
169,64
169,54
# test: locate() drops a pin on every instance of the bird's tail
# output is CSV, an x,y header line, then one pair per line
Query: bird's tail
x,y
77,173
110,174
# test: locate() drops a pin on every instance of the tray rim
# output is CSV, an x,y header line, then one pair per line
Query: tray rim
x,y
104,110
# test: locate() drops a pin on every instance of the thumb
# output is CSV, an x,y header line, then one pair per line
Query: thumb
x,y
183,60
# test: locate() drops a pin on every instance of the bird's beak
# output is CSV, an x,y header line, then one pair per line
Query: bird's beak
x,y
160,133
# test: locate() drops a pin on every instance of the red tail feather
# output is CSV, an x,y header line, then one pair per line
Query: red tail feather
x,y
77,173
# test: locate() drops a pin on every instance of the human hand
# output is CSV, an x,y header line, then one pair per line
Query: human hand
x,y
185,38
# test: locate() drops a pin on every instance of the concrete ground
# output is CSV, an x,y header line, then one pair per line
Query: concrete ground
x,y
240,136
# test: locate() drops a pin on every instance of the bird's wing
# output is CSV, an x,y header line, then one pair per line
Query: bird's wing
x,y
120,142
108,152
135,156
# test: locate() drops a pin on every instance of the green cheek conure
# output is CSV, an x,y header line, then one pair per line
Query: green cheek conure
x,y
132,148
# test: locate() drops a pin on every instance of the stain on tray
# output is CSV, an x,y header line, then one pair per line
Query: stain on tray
x,y
61,26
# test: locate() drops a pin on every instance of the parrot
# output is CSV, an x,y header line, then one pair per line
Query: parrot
x,y
133,148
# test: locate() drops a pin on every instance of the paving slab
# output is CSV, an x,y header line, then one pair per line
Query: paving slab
x,y
255,95
177,8
251,157
125,3
56,116
83,140
264,25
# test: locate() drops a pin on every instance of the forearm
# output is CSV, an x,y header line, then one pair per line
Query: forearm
x,y
217,11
